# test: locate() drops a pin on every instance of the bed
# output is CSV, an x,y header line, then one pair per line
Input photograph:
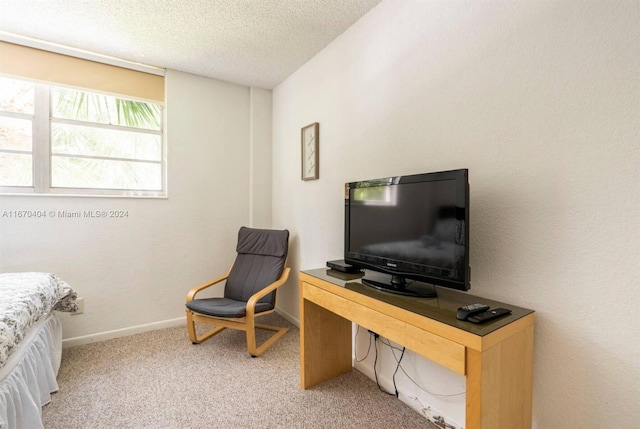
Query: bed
x,y
30,344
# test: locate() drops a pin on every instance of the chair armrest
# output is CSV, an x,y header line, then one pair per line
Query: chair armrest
x,y
253,300
192,293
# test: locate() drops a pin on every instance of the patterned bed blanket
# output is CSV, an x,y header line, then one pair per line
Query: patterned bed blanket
x,y
24,299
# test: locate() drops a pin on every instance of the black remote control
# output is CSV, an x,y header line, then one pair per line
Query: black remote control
x,y
471,309
488,315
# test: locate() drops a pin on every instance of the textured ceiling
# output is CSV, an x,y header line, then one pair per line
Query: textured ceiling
x,y
250,42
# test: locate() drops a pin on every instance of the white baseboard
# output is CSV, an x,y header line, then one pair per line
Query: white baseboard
x,y
139,329
289,317
124,332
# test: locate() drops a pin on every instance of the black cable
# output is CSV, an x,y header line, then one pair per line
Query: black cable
x,y
368,350
397,368
375,370
392,347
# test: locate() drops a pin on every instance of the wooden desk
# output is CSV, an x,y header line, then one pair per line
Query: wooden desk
x,y
496,357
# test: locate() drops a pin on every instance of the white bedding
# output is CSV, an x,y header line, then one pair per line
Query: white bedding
x,y
24,299
30,344
29,376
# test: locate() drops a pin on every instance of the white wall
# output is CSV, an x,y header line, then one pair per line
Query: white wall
x,y
541,101
260,158
138,270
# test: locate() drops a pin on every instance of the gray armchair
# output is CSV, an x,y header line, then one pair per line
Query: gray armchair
x,y
250,289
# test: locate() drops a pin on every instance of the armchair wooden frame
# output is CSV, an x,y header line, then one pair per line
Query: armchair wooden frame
x,y
246,323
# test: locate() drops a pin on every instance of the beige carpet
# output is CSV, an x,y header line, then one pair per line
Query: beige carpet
x,y
160,380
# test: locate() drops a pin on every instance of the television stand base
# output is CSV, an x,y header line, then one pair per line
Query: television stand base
x,y
415,289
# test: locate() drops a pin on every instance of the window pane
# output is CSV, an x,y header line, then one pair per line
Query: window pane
x,y
16,96
79,140
104,109
15,170
69,172
15,134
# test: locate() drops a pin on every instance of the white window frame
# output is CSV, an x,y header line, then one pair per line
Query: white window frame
x,y
42,153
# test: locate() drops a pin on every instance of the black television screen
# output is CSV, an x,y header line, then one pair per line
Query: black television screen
x,y
410,227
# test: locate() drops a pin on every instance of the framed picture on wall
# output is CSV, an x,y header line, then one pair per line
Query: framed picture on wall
x,y
310,147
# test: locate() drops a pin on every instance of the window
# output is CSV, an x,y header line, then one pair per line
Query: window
x,y
61,140
16,133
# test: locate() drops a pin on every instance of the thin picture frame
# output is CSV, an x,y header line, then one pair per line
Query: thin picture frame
x,y
310,151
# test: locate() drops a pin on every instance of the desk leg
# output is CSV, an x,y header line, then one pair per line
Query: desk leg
x,y
499,384
325,344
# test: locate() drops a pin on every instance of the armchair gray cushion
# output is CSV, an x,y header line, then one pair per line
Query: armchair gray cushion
x,y
262,254
224,307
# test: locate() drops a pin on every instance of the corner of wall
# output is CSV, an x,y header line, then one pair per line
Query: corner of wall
x,y
260,153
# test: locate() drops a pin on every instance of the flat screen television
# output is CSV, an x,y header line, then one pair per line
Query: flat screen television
x,y
410,232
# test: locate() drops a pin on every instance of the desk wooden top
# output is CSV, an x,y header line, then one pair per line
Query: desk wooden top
x,y
442,308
